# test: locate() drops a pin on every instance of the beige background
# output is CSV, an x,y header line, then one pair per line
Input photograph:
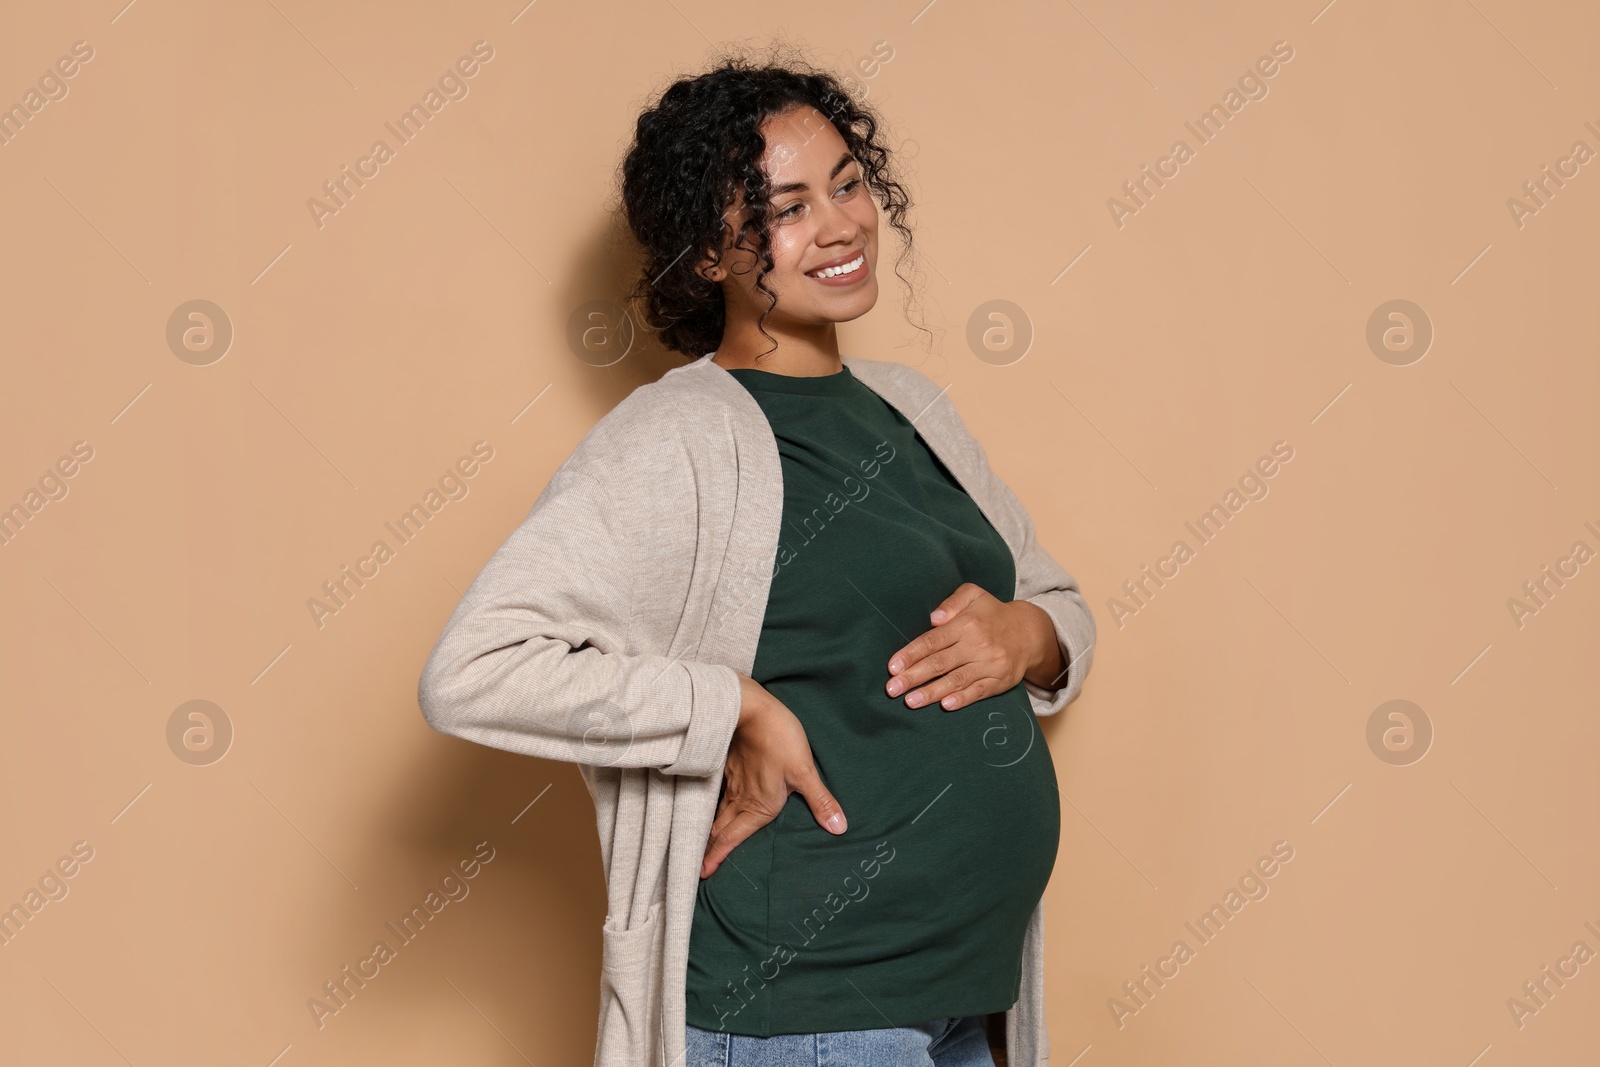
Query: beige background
x,y
1228,313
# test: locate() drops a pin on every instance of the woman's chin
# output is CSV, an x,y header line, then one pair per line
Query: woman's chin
x,y
852,305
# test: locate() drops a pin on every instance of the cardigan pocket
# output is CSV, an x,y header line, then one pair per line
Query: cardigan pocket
x,y
630,971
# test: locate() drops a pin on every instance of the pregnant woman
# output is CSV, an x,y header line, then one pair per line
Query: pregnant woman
x,y
791,626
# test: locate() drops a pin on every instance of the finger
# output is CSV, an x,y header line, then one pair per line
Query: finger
x,y
946,687
965,594
705,860
824,808
745,823
962,643
723,817
909,665
956,602
727,808
929,694
971,694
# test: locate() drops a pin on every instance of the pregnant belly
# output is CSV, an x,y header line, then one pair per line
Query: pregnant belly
x,y
959,808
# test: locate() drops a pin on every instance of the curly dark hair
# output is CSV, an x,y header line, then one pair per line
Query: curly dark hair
x,y
694,149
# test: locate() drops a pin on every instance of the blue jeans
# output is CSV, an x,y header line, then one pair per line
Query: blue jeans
x,y
959,1042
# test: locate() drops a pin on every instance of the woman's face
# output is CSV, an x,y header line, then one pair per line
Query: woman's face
x,y
821,213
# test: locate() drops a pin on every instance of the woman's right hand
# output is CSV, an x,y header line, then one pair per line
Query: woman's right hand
x,y
768,758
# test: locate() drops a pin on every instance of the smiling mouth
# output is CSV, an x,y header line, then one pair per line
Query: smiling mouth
x,y
842,269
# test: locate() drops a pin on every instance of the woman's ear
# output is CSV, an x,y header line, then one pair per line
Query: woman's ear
x,y
716,272
708,270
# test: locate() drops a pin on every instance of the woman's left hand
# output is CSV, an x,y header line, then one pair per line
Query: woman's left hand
x,y
979,646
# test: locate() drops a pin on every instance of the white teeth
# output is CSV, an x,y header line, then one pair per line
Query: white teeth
x,y
845,268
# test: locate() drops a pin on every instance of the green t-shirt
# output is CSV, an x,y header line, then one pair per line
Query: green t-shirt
x,y
918,911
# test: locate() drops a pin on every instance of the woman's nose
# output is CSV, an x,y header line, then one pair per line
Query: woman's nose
x,y
838,226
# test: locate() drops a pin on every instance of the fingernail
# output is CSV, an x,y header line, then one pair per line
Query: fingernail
x,y
895,685
938,616
895,665
835,823
914,700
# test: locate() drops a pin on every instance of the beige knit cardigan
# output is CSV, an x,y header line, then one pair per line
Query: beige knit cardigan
x,y
610,628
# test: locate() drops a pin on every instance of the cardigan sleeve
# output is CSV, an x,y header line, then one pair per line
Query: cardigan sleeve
x,y
1041,581
534,658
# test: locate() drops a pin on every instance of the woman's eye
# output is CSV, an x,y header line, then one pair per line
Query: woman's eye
x,y
793,208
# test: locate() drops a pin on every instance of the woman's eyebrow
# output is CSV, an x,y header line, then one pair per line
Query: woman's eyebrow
x,y
794,187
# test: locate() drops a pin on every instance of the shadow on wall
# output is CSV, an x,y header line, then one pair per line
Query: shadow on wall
x,y
523,945
602,328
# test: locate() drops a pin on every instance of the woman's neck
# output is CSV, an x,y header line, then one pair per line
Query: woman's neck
x,y
798,357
